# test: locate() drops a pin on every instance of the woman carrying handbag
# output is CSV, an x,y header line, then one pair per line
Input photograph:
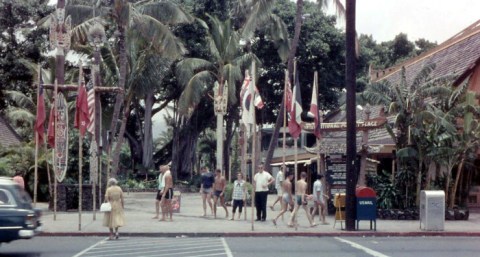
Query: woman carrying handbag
x,y
115,218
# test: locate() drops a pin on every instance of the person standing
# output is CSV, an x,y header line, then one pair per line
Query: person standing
x,y
319,200
238,195
287,197
167,195
278,186
262,180
116,217
158,197
206,189
301,200
219,192
18,178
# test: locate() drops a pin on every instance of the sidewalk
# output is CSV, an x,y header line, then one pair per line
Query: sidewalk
x,y
140,208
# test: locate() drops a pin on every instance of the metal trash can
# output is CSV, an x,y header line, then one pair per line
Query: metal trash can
x,y
432,210
366,206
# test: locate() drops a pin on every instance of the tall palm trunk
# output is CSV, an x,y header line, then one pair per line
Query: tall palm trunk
x,y
457,179
291,57
147,135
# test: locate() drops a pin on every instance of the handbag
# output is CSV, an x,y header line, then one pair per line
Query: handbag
x,y
106,207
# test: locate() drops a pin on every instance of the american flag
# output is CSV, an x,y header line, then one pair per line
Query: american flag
x,y
91,107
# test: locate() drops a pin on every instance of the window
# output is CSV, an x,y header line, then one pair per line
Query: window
x,y
6,198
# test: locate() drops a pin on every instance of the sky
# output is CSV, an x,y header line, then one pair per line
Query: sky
x,y
434,20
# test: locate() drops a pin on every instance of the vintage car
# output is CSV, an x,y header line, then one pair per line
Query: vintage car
x,y
18,219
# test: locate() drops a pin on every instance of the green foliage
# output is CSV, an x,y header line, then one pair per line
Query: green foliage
x,y
387,194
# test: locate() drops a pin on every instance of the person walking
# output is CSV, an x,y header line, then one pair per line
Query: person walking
x,y
262,180
158,198
238,195
301,200
167,195
287,197
278,186
206,189
116,217
319,200
219,192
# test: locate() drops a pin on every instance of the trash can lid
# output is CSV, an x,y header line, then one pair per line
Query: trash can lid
x,y
365,192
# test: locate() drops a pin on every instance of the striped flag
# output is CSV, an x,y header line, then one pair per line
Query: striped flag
x,y
295,111
41,115
314,108
91,107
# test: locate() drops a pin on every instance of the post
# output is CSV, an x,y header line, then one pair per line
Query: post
x,y
285,121
55,93
350,80
36,171
254,137
80,157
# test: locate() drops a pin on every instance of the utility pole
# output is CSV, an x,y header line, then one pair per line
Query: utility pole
x,y
350,80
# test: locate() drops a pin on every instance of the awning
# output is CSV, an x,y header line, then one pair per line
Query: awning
x,y
305,162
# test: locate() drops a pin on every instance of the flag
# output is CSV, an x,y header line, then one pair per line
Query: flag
x,y
314,108
81,113
295,111
40,120
51,128
246,98
91,107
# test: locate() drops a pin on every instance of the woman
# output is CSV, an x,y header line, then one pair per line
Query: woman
x,y
238,195
114,218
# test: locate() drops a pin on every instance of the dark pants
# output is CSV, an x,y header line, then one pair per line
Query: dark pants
x,y
239,204
261,205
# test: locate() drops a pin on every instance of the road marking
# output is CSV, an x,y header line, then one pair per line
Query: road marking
x,y
89,248
227,249
361,247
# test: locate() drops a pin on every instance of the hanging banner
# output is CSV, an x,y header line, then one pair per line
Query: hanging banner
x,y
93,162
60,157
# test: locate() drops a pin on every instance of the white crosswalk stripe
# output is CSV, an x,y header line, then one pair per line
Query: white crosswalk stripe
x,y
153,247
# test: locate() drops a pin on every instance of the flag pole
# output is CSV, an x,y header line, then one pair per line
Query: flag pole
x,y
254,137
285,121
295,139
80,158
315,84
35,183
55,92
244,164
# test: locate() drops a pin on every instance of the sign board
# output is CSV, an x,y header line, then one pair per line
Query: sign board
x,y
60,157
336,167
342,126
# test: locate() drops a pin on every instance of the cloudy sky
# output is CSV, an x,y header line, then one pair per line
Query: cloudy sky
x,y
434,20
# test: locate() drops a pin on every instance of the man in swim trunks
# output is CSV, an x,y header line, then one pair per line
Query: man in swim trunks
x,y
278,186
206,189
287,197
158,197
319,199
219,192
301,200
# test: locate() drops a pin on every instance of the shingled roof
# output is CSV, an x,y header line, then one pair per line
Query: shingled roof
x,y
456,56
8,136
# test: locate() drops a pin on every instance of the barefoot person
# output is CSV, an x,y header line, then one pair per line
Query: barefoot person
x,y
319,199
238,195
301,200
206,189
167,195
158,197
262,180
219,192
287,197
278,186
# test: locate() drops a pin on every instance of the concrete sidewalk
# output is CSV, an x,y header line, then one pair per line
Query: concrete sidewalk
x,y
140,208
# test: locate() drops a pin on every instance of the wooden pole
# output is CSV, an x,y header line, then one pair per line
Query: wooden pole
x,y
55,93
295,139
35,183
80,159
254,137
285,122
315,84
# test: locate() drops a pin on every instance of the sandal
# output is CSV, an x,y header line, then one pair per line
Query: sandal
x,y
116,235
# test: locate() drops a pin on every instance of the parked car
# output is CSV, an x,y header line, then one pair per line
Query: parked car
x,y
18,219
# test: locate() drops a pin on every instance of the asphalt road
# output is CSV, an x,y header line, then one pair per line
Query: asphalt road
x,y
245,247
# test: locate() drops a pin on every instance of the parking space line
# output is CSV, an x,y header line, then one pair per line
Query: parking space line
x,y
148,250
361,247
89,248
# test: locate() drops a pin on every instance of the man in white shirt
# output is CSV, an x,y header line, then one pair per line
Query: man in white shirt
x,y
278,186
319,199
261,181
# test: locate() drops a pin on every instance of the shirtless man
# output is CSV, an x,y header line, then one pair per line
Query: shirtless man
x,y
219,192
301,200
287,197
167,195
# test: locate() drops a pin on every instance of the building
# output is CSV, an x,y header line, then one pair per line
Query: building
x,y
8,136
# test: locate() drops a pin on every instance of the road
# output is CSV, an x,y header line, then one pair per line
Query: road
x,y
244,247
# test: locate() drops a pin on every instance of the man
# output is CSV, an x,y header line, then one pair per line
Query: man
x,y
278,187
158,197
167,194
301,200
261,182
206,189
287,197
319,199
219,192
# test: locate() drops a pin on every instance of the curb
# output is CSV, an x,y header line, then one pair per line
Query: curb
x,y
267,234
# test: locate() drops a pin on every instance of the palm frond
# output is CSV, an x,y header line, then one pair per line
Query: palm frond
x,y
233,74
165,12
259,12
20,99
422,76
186,69
19,115
196,88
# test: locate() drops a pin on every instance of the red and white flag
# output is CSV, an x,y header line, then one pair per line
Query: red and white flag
x,y
246,100
51,127
295,111
81,113
314,108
